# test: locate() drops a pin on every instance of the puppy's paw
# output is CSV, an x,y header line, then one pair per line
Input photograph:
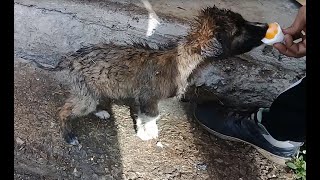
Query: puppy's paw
x,y
148,131
102,115
71,139
141,133
151,128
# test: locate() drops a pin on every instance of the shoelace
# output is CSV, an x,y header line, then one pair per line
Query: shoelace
x,y
249,116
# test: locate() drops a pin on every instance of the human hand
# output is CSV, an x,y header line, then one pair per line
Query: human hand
x,y
296,31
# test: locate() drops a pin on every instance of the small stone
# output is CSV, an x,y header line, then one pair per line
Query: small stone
x,y
107,170
218,160
76,173
264,171
19,141
271,176
201,166
159,144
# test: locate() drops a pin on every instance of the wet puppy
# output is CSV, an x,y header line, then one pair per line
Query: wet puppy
x,y
149,75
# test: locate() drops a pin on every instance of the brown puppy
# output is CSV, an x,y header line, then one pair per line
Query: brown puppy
x,y
149,75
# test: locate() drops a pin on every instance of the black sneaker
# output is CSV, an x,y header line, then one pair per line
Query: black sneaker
x,y
245,130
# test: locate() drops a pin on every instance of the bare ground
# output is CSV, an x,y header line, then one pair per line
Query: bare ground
x,y
110,150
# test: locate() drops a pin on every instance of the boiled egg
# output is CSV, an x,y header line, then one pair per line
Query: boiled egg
x,y
274,34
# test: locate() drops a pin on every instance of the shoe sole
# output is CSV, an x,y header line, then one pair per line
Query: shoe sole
x,y
272,157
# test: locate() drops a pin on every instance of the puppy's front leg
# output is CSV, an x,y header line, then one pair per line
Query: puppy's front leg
x,y
147,127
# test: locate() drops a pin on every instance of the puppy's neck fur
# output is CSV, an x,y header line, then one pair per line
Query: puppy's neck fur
x,y
199,44
187,61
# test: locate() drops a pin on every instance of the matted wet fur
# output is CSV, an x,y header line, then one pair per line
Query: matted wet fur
x,y
148,75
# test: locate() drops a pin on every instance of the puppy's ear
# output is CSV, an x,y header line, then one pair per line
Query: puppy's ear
x,y
213,48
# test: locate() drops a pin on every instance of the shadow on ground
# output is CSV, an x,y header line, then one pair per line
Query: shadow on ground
x,y
40,152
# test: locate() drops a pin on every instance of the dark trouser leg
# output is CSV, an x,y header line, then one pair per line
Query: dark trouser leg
x,y
286,119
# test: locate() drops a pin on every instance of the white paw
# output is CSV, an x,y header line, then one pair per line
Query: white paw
x,y
102,114
148,131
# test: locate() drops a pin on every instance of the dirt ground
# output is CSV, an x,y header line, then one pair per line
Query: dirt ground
x,y
110,150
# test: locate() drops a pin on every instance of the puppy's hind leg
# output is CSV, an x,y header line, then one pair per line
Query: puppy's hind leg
x,y
146,122
75,106
101,111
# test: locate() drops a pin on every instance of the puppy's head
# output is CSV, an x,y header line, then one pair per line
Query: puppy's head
x,y
219,33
